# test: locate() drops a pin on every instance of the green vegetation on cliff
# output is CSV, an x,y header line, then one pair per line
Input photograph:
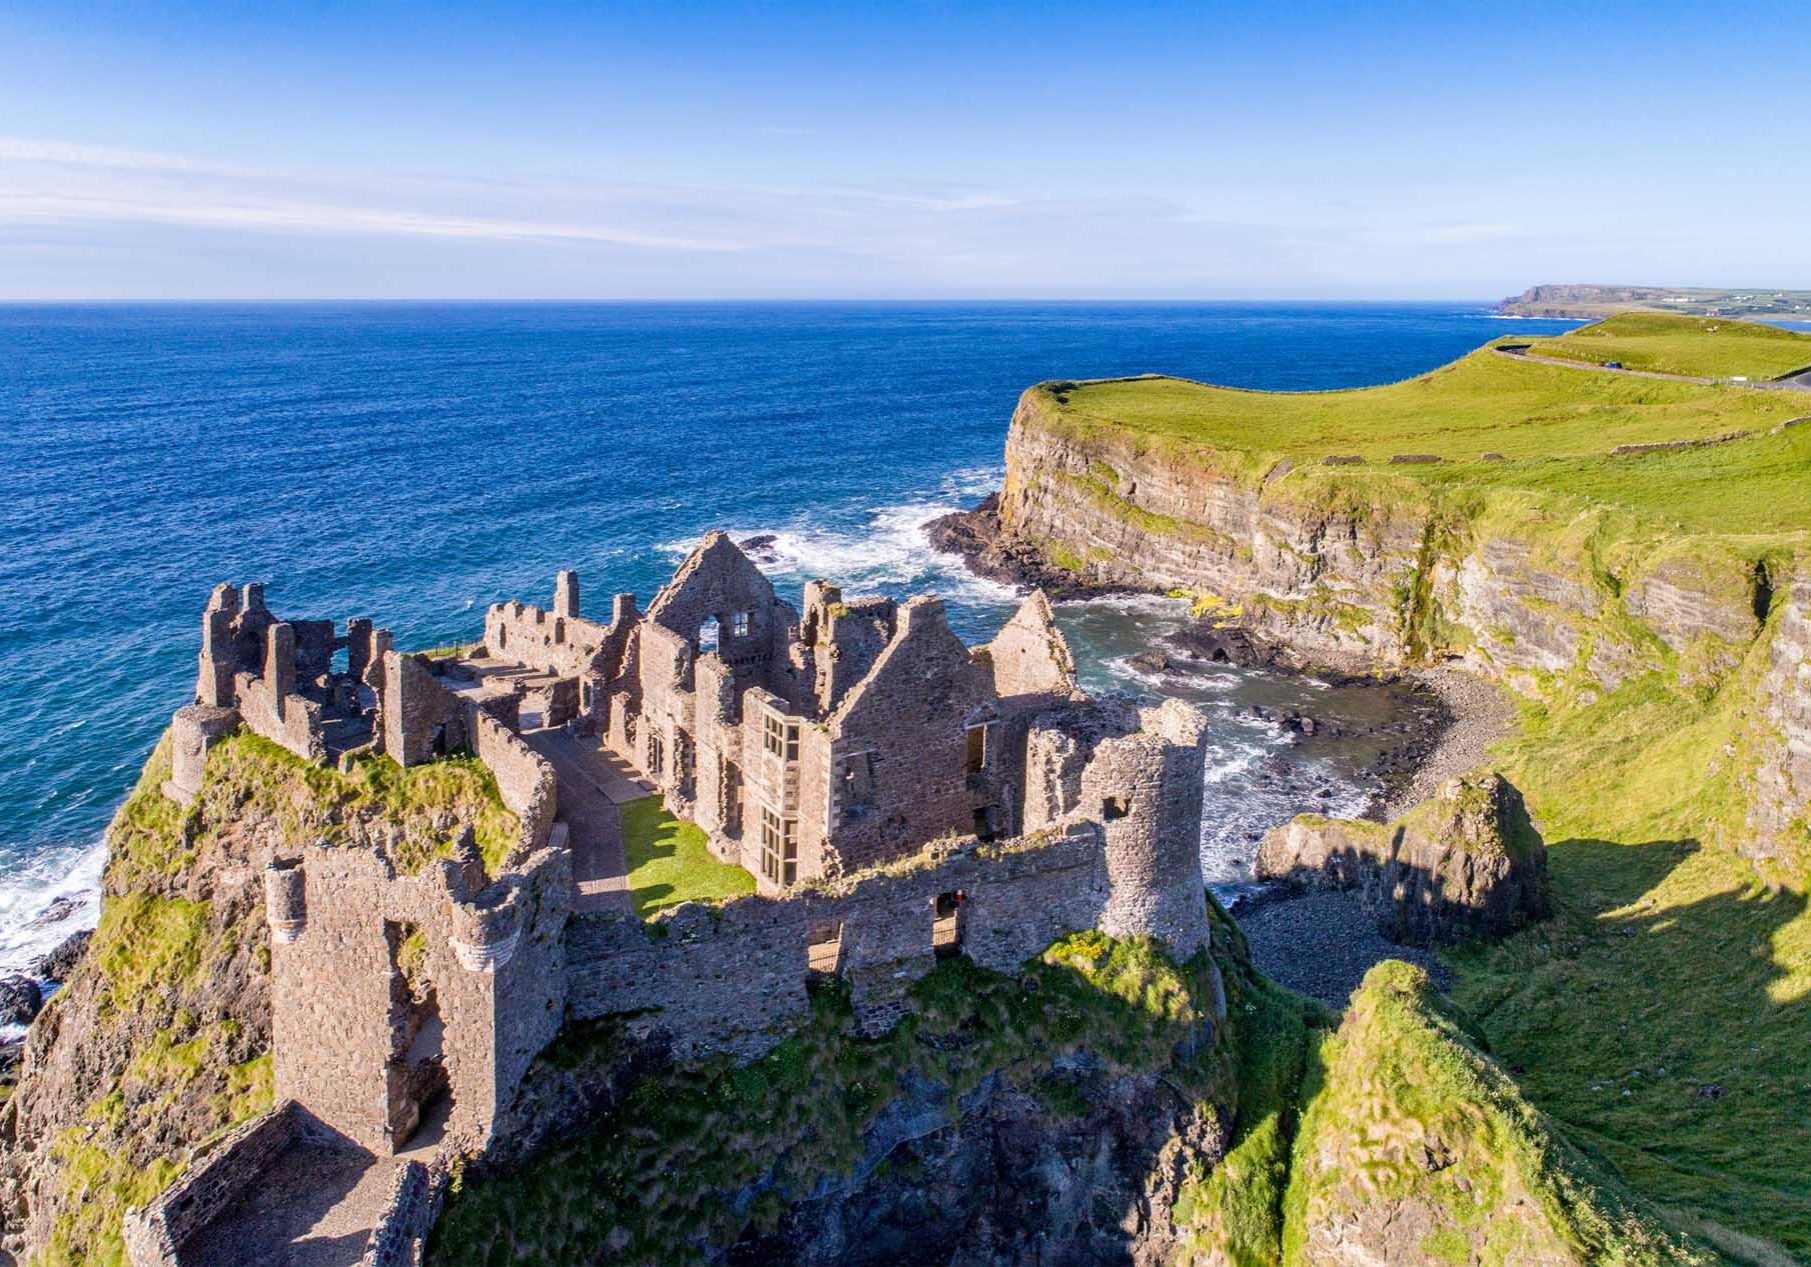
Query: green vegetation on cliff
x,y
670,862
1663,1015
1415,1146
1553,427
1708,347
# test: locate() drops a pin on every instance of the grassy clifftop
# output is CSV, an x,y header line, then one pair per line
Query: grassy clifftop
x,y
1710,347
1553,427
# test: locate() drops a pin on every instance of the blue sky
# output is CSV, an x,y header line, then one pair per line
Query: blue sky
x,y
908,150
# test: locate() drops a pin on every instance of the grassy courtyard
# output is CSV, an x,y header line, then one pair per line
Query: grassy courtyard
x,y
669,862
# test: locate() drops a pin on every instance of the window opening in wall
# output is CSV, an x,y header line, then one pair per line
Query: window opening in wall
x,y
741,623
946,924
417,1033
824,953
656,754
709,634
977,748
685,764
1115,807
731,782
779,847
987,820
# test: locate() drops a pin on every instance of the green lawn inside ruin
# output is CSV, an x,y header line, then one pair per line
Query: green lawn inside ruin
x,y
670,863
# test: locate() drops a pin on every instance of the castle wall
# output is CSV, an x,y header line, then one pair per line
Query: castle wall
x,y
422,719
216,1175
1146,789
525,780
283,718
193,730
732,978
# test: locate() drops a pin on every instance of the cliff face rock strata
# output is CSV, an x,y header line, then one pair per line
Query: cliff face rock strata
x,y
1362,566
1465,863
1781,819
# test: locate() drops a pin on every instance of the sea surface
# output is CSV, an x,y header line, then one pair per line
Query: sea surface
x,y
414,463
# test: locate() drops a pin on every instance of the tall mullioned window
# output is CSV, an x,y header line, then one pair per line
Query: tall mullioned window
x,y
780,736
779,847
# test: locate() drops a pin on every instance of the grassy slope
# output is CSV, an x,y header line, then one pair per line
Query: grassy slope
x,y
670,863
1666,953
1710,347
1664,1014
1414,1133
1555,425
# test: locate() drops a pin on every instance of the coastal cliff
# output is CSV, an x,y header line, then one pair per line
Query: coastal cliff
x,y
1402,560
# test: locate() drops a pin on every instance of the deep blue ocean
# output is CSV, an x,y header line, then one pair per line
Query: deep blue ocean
x,y
414,463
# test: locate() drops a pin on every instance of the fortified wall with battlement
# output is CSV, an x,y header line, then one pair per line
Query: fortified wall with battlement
x,y
900,796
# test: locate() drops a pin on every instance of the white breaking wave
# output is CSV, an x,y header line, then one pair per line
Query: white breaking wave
x,y
889,551
46,897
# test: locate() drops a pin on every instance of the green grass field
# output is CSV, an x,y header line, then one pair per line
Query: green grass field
x,y
1708,347
669,862
1552,427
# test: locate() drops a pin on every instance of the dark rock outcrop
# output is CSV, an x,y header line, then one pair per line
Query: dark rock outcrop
x,y
976,535
1465,863
20,1000
59,963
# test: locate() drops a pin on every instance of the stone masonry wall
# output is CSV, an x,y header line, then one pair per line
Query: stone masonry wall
x,y
491,963
216,1174
900,745
525,780
732,978
1147,790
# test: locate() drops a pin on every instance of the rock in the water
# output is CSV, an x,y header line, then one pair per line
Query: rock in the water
x,y
20,1000
59,963
1467,862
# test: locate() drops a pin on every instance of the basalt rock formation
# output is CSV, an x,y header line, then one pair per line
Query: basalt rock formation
x,y
1467,862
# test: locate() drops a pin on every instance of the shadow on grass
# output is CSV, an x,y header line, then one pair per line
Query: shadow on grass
x,y
1662,1017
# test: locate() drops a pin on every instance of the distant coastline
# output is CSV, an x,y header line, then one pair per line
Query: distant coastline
x,y
1593,302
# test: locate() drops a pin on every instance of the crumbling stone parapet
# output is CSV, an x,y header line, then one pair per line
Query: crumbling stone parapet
x,y
484,934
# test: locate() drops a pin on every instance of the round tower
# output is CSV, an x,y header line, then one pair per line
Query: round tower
x,y
1145,789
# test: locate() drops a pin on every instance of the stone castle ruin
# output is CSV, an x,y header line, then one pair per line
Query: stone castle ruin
x,y
897,795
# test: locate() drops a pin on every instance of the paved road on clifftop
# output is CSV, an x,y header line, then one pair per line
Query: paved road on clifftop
x,y
592,785
1800,382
